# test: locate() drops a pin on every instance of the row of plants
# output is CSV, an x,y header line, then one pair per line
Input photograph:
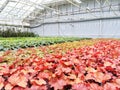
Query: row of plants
x,y
16,33
12,44
23,53
95,67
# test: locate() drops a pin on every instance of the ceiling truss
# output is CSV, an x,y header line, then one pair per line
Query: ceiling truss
x,y
25,11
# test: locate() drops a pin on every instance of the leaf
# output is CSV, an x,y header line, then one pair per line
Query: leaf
x,y
72,77
90,69
8,86
66,70
18,88
68,63
98,77
1,47
117,81
111,86
107,63
89,77
94,86
38,82
1,85
34,87
45,75
79,87
1,59
4,69
109,68
106,77
19,80
59,84
1,82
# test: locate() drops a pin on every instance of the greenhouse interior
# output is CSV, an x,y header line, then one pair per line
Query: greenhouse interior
x,y
59,45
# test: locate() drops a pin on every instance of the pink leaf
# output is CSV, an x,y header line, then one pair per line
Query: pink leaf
x,y
79,87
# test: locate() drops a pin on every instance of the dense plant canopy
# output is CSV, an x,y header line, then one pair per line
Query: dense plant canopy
x,y
95,67
16,43
16,33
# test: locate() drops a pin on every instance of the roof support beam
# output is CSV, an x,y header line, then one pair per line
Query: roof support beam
x,y
107,1
82,8
72,3
4,5
39,6
111,8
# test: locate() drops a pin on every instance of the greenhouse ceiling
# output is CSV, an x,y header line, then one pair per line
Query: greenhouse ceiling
x,y
15,11
22,12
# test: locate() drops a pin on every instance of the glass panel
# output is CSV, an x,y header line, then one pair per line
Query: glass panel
x,y
32,8
26,7
19,5
15,11
7,9
47,1
11,4
2,2
20,9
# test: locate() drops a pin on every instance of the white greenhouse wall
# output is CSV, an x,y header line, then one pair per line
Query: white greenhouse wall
x,y
109,28
94,24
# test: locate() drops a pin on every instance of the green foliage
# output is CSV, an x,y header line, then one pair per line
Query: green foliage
x,y
16,43
16,33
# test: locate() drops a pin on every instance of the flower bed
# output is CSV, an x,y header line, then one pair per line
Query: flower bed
x,y
95,67
17,43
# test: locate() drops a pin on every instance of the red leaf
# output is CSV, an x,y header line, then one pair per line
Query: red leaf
x,y
8,86
95,87
34,87
111,86
18,88
38,82
4,69
80,87
66,70
44,75
59,84
117,81
109,68
1,82
19,80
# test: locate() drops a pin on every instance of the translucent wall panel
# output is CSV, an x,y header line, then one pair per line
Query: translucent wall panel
x,y
108,28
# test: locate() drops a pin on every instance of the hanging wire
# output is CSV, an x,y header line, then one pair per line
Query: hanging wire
x,y
81,8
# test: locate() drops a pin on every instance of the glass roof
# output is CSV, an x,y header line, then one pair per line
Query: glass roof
x,y
19,9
